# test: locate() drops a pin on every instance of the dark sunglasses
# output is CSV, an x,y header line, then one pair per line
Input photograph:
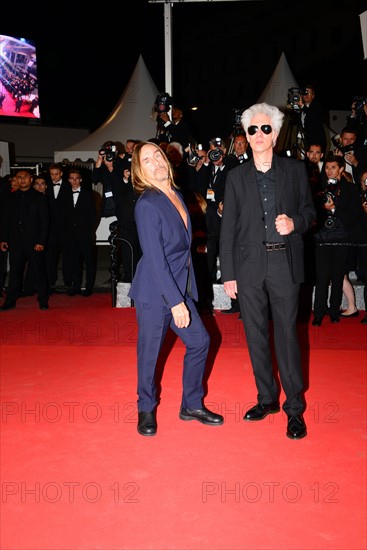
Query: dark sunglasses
x,y
265,128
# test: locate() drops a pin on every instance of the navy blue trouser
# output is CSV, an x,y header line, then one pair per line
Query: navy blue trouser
x,y
153,323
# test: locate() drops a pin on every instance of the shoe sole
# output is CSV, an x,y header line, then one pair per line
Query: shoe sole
x,y
297,437
189,418
274,411
147,435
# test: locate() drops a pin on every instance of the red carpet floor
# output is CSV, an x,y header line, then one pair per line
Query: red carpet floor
x,y
75,474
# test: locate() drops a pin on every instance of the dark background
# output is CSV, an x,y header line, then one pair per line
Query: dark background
x,y
224,54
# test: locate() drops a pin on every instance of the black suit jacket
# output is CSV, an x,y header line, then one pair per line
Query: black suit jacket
x,y
242,240
35,219
55,206
81,219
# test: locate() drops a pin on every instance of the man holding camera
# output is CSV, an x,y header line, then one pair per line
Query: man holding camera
x,y
354,153
176,129
218,171
311,114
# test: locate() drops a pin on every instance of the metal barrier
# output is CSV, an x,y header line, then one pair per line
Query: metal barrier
x,y
115,241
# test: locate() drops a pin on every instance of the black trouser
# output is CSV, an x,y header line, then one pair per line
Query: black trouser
x,y
20,252
330,270
282,293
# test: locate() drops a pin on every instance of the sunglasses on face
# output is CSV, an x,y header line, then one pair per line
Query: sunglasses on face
x,y
265,128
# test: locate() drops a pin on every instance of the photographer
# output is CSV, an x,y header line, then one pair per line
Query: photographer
x,y
339,218
218,171
311,116
176,129
354,152
108,161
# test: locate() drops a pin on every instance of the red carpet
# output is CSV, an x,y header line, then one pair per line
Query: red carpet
x,y
76,475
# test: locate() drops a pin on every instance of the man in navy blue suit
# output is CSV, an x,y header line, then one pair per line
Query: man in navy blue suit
x,y
164,288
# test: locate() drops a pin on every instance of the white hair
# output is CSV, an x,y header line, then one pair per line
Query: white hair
x,y
276,116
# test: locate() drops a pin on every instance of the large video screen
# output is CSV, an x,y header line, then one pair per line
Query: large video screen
x,y
18,78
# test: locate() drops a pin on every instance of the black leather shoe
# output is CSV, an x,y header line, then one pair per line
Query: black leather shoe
x,y
204,415
147,424
6,306
334,318
260,411
296,428
317,322
87,292
43,305
73,291
364,320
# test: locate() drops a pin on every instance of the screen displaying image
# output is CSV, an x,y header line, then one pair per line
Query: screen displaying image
x,y
18,78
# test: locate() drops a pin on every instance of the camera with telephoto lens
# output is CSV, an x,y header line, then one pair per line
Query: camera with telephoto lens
x,y
237,124
192,157
109,151
163,103
294,96
216,154
328,196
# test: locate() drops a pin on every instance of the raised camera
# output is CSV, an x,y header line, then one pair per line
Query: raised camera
x,y
294,96
163,103
109,151
216,154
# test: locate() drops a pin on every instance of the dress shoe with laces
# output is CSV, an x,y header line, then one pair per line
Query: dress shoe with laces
x,y
147,424
204,415
260,411
296,428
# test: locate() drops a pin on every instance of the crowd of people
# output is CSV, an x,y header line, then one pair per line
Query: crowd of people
x,y
236,211
201,171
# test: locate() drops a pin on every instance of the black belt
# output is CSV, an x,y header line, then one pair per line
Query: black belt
x,y
270,247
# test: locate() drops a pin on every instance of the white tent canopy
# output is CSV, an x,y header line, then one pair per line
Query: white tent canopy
x,y
276,91
131,118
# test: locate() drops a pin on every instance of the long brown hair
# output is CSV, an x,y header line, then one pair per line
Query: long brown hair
x,y
139,181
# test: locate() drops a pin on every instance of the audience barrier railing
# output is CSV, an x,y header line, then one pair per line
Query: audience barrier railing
x,y
115,241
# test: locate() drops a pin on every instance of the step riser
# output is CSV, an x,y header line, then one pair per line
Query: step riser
x,y
221,300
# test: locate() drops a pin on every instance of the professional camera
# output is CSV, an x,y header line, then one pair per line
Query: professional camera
x,y
192,156
163,103
109,151
215,154
237,124
294,96
329,195
360,101
346,148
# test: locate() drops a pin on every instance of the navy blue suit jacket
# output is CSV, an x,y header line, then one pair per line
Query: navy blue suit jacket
x,y
164,274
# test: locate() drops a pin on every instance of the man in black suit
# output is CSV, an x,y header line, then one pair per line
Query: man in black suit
x,y
80,218
267,208
312,115
23,231
56,191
